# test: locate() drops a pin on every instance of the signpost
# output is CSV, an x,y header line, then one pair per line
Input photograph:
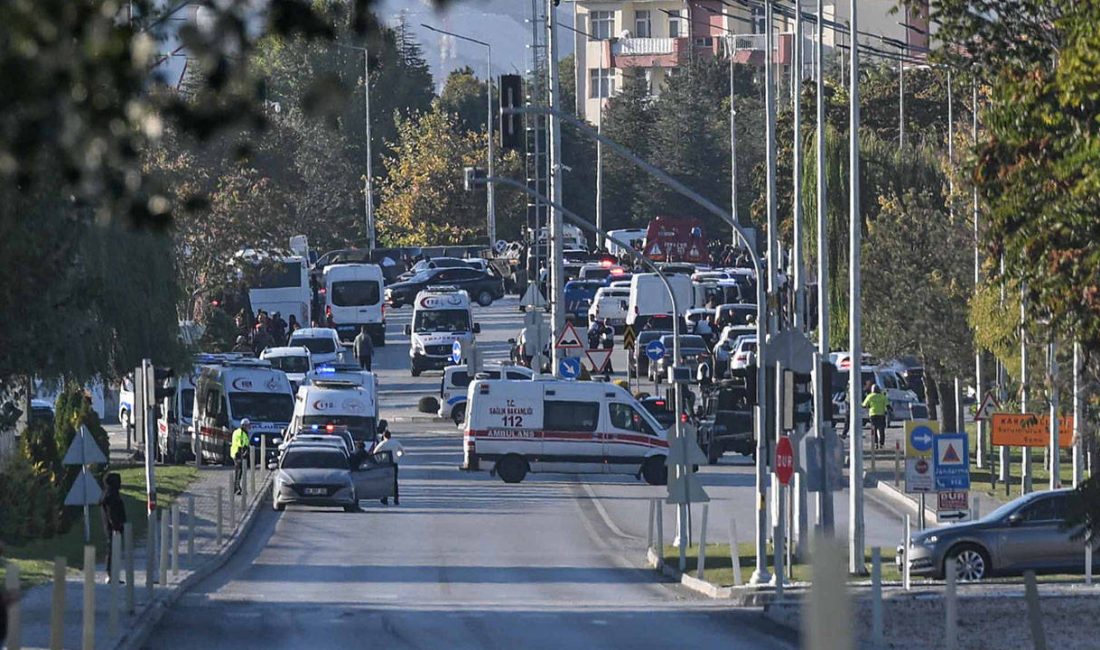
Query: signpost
x,y
989,404
919,435
598,358
629,337
456,352
953,505
951,462
655,350
569,339
569,367
85,491
1029,430
784,460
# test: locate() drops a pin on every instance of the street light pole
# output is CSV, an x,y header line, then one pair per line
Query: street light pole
x,y
557,261
369,189
730,39
855,390
769,134
599,145
825,497
796,82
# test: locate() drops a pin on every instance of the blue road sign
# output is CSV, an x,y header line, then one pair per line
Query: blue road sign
x,y
921,438
655,350
456,352
951,462
570,367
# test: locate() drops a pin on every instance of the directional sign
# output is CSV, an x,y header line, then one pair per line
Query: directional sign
x,y
456,352
784,460
598,358
1029,430
953,505
629,337
570,367
919,436
569,339
951,462
985,411
655,350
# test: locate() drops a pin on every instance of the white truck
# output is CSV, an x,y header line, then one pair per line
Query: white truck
x,y
353,294
441,316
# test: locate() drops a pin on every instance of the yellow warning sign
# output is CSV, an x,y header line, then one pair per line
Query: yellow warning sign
x,y
1029,430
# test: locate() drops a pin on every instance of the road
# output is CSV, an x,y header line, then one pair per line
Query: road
x,y
467,561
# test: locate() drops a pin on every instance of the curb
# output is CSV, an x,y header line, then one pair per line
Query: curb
x,y
887,492
746,596
148,617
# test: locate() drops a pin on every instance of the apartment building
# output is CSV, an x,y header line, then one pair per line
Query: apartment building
x,y
658,36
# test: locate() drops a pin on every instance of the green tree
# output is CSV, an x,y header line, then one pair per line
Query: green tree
x,y
628,118
464,95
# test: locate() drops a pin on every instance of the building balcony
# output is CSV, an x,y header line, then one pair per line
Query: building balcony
x,y
649,52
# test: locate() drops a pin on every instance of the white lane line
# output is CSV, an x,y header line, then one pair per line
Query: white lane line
x,y
604,514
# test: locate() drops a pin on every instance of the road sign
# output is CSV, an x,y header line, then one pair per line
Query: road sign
x,y
456,352
629,337
533,297
569,339
985,411
953,505
84,450
85,491
784,460
951,462
683,456
598,358
570,367
1029,430
655,350
919,436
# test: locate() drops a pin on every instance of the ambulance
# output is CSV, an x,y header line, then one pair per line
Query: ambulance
x,y
553,425
236,389
441,316
337,403
175,423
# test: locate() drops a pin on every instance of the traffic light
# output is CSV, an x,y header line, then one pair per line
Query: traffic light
x,y
511,124
802,393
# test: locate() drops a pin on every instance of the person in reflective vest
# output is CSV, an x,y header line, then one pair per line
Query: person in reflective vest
x,y
238,451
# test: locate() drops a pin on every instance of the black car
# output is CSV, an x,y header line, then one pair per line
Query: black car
x,y
638,362
483,286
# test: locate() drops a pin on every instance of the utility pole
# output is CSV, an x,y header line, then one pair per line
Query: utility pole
x,y
796,83
1052,366
979,389
769,130
491,206
825,497
599,146
369,182
901,101
730,39
557,269
1025,464
1078,413
855,390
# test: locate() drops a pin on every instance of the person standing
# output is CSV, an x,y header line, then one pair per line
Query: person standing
x,y
876,405
238,451
396,451
364,348
114,513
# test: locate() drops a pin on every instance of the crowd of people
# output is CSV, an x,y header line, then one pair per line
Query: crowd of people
x,y
254,335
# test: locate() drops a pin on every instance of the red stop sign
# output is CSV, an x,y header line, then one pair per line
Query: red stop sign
x,y
784,460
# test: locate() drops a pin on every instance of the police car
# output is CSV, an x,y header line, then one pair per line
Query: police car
x,y
441,316
516,427
456,381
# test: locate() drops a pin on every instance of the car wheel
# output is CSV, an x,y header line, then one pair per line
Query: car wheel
x,y
655,471
458,414
415,370
124,419
279,507
484,298
351,508
971,563
512,468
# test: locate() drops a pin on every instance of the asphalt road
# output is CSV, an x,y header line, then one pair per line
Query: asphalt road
x,y
467,561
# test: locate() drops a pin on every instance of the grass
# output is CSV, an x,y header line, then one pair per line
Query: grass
x,y
35,558
719,570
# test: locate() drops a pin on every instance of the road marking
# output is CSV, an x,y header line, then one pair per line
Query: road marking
x,y
604,515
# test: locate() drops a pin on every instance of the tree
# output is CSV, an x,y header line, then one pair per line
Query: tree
x,y
464,95
628,118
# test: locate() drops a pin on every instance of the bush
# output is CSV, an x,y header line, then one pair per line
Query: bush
x,y
73,409
29,504
428,404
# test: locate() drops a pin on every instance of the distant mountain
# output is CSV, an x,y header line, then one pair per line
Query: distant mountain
x,y
502,23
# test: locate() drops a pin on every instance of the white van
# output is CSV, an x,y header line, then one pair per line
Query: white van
x,y
323,344
633,236
339,403
649,297
610,304
295,361
354,294
175,421
516,427
456,381
441,316
233,390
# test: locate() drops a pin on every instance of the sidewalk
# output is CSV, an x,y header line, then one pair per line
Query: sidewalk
x,y
36,603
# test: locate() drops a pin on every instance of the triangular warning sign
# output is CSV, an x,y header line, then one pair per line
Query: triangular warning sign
x,y
569,339
533,297
951,456
598,358
655,249
989,404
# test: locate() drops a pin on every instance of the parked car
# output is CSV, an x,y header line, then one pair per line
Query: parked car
x,y
482,286
693,351
1024,534
638,362
578,298
610,304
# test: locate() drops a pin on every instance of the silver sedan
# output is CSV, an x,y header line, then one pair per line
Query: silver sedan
x,y
314,476
1027,533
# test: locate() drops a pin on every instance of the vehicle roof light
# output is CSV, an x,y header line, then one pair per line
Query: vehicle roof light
x,y
314,427
330,427
605,263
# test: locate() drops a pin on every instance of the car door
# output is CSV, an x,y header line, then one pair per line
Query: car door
x,y
374,477
1033,539
629,438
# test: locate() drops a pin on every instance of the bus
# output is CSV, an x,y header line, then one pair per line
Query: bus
x,y
280,284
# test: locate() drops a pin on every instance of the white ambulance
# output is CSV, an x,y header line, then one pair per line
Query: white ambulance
x,y
353,294
516,427
236,389
441,316
339,403
175,419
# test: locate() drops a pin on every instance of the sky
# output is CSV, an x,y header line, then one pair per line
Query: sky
x,y
498,22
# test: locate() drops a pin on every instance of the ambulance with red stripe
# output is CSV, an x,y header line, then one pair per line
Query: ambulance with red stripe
x,y
235,389
550,425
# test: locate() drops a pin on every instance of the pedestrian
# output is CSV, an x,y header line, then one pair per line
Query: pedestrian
x,y
363,347
242,345
292,325
114,513
261,339
607,342
238,451
595,329
358,456
278,329
396,451
876,405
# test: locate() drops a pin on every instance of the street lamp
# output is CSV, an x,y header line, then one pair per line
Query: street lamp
x,y
490,203
368,186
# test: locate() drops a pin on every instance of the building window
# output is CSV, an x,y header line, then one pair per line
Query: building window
x,y
600,25
759,20
642,24
601,83
674,22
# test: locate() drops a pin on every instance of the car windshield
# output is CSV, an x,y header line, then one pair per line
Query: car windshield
x,y
355,293
360,427
596,274
659,410
315,346
738,315
314,459
290,364
442,320
187,405
261,407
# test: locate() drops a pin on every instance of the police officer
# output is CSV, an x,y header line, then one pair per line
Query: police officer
x,y
238,451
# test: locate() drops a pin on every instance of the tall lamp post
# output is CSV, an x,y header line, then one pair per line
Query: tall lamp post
x,y
490,203
368,184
